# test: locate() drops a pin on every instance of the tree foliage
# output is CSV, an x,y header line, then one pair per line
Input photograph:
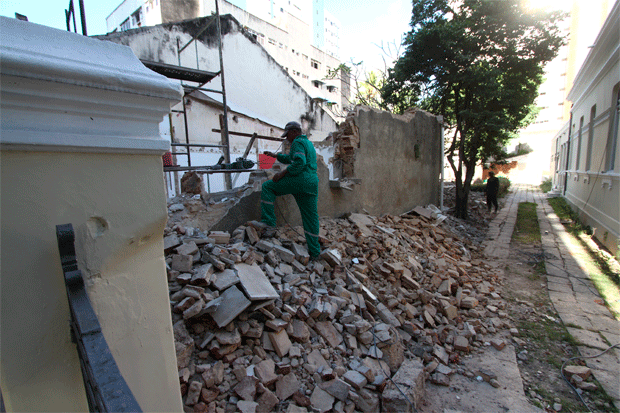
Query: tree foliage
x,y
367,85
479,64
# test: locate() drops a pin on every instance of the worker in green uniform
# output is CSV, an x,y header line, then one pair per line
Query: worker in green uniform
x,y
299,179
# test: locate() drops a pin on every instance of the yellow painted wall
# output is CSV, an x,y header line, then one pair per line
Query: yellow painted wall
x,y
116,203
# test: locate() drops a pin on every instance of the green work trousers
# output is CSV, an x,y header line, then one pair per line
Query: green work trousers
x,y
304,188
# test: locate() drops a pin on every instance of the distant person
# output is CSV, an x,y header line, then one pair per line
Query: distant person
x,y
491,190
301,180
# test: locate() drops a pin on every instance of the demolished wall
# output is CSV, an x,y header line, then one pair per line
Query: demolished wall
x,y
395,162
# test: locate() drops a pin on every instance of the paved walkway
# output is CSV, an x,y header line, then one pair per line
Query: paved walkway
x,y
572,293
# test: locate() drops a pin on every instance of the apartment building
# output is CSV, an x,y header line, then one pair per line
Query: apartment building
x,y
580,28
299,34
586,154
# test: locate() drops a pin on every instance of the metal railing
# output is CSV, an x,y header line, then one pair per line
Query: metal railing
x,y
106,389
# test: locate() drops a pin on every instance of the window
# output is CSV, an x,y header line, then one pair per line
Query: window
x,y
315,64
136,18
590,138
579,143
612,138
272,41
332,89
126,25
304,56
316,84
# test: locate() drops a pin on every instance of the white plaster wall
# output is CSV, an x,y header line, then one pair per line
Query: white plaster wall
x,y
79,144
123,265
201,119
254,81
122,12
594,191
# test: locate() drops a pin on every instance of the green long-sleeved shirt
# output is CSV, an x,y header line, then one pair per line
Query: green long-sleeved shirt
x,y
301,158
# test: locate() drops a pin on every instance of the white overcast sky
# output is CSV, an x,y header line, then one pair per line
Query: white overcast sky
x,y
364,23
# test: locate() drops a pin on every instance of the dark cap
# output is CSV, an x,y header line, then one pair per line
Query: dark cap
x,y
291,125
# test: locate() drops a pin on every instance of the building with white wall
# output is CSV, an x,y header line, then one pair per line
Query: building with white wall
x,y
586,154
79,120
299,34
580,28
261,95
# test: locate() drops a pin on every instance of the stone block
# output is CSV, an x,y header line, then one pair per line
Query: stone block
x,y
355,379
265,371
233,302
281,342
225,279
171,241
316,359
194,310
329,333
193,393
298,331
219,237
246,389
337,388
267,402
255,283
182,263
469,302
285,255
321,401
498,344
189,248
461,344
287,386
228,338
202,275
245,406
581,371
410,379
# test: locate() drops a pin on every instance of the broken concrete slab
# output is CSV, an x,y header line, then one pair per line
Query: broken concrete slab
x,y
410,379
255,283
329,333
225,279
287,386
321,401
232,304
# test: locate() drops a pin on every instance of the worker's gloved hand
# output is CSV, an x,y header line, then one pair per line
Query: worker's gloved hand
x,y
273,155
279,176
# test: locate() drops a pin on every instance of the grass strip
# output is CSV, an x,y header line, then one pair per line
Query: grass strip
x,y
527,230
601,271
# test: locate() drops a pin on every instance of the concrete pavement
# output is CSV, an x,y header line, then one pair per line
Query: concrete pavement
x,y
571,291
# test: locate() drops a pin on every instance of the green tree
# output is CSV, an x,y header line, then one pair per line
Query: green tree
x,y
479,64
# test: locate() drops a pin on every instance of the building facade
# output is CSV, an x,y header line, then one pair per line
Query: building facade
x,y
580,28
586,154
300,35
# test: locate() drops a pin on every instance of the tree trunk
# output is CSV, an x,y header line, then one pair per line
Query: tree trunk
x,y
462,196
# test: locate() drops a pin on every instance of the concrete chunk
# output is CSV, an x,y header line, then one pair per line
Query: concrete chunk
x,y
337,388
255,283
182,263
329,333
410,379
232,304
287,386
281,343
355,379
321,401
225,279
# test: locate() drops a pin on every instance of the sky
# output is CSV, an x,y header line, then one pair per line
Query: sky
x,y
365,24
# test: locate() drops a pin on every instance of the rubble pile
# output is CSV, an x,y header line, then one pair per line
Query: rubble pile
x,y
392,301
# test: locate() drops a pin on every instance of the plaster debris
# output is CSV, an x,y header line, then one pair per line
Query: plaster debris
x,y
260,327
